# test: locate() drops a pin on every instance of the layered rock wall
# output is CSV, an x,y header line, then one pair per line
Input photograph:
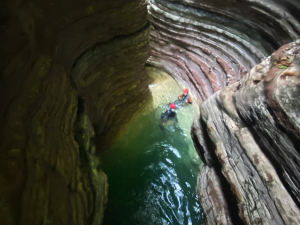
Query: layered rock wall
x,y
72,74
248,136
209,44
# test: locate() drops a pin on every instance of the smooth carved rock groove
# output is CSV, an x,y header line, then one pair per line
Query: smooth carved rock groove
x,y
251,129
209,44
247,134
72,75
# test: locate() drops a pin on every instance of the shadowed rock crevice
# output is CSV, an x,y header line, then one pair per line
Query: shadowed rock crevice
x,y
225,199
72,75
95,181
108,95
276,165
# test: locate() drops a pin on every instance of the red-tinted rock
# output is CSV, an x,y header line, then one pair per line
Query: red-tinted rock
x,y
217,40
249,133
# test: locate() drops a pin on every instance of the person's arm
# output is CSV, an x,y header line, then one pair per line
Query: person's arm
x,y
180,96
190,100
163,114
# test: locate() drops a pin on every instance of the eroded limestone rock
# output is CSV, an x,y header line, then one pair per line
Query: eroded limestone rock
x,y
252,128
209,44
58,57
212,197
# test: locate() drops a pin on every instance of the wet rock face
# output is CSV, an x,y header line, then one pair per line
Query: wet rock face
x,y
72,74
209,44
248,136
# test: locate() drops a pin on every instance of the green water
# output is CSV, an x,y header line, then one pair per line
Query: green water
x,y
152,173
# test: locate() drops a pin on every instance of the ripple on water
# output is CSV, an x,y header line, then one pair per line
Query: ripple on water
x,y
151,175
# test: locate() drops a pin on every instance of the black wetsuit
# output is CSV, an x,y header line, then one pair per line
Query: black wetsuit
x,y
167,119
169,114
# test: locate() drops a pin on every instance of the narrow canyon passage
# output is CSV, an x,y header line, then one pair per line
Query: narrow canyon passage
x,y
82,88
152,172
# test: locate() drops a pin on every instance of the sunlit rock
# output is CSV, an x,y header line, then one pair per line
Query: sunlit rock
x,y
209,44
249,134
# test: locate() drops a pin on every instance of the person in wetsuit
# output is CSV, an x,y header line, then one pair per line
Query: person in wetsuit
x,y
168,119
170,113
185,98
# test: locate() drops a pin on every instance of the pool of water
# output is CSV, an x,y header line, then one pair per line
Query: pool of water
x,y
152,171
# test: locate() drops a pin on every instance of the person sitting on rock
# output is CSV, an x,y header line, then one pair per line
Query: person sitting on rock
x,y
185,98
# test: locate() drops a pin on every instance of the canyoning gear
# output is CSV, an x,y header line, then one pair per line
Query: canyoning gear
x,y
168,120
185,99
169,114
182,100
177,103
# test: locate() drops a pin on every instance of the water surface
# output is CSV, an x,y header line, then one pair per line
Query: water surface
x,y
152,173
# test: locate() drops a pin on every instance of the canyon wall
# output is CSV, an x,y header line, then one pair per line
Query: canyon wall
x,y
209,44
72,74
248,131
248,136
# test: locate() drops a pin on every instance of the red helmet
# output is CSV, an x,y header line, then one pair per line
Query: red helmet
x,y
186,91
172,106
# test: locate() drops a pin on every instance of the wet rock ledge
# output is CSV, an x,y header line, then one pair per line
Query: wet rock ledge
x,y
72,74
248,136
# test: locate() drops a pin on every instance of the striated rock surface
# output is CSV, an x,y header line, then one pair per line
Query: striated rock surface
x,y
209,44
72,74
248,136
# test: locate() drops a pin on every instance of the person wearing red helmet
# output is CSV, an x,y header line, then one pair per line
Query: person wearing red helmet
x,y
170,113
172,106
185,98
